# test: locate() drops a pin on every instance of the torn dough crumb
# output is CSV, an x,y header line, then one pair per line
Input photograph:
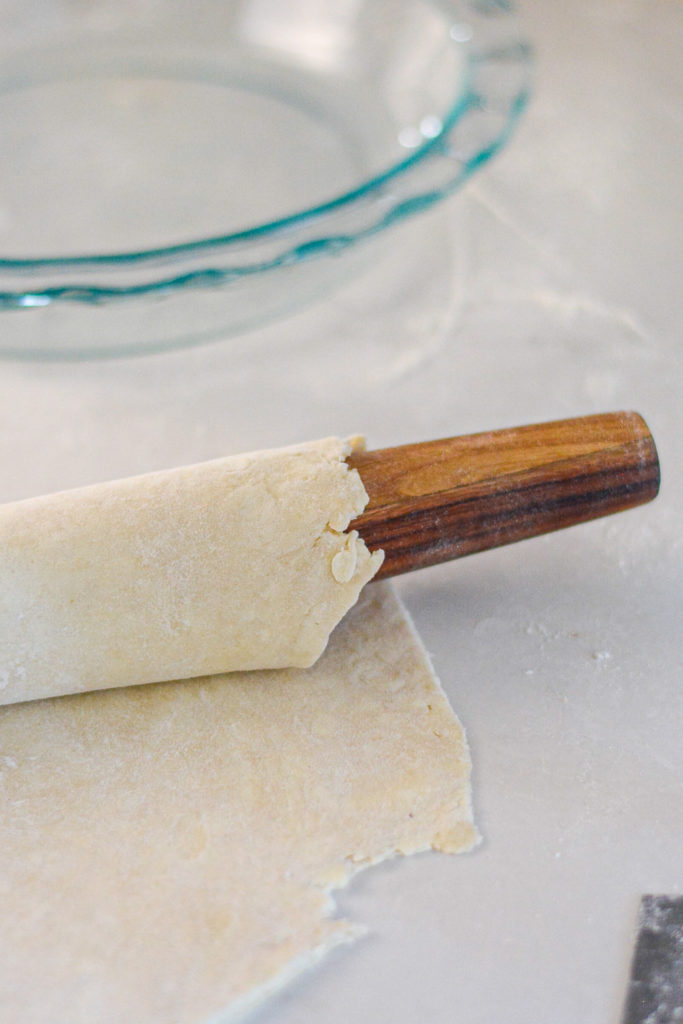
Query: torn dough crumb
x,y
345,561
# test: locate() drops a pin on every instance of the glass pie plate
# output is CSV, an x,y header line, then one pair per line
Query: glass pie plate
x,y
173,173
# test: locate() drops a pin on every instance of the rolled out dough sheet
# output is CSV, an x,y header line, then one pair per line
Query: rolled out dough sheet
x,y
239,563
167,852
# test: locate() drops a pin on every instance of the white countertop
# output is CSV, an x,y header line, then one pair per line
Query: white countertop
x,y
549,288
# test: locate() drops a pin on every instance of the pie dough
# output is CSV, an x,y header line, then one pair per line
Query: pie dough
x,y
168,851
240,563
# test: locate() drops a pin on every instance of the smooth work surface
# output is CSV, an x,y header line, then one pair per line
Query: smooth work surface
x,y
549,288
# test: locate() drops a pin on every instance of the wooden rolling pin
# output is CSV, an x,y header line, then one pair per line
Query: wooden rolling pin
x,y
440,500
244,563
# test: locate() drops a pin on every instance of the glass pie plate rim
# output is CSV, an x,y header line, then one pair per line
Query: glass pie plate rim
x,y
485,112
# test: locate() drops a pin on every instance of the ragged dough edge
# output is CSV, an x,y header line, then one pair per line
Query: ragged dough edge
x,y
365,563
301,964
466,805
462,837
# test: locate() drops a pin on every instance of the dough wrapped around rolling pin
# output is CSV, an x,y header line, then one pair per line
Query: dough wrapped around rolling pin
x,y
234,564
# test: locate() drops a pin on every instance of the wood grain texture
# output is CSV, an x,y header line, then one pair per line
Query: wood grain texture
x,y
440,500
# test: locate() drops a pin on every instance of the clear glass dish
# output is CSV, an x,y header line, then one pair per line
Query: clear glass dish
x,y
172,173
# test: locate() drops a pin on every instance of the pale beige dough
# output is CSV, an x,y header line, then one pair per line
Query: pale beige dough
x,y
167,852
240,563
